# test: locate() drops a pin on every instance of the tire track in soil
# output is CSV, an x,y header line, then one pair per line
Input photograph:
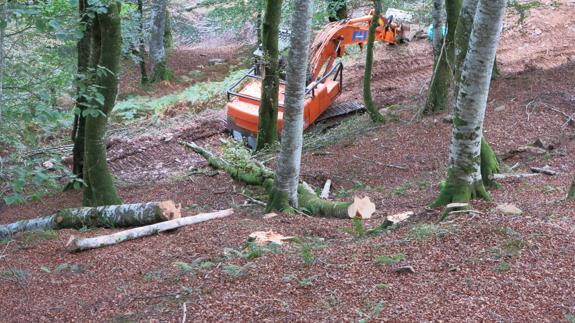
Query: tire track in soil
x,y
159,157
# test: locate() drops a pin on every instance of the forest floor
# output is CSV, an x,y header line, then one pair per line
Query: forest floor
x,y
483,267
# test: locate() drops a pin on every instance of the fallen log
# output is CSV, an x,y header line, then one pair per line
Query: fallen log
x,y
125,215
79,244
325,191
251,172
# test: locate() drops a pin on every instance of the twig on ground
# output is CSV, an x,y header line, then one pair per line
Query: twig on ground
x,y
185,310
251,199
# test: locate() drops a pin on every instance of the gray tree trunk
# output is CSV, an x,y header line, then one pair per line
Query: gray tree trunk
x,y
3,19
437,20
157,51
288,167
465,181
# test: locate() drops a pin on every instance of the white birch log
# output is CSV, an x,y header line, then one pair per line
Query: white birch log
x,y
79,244
325,192
125,215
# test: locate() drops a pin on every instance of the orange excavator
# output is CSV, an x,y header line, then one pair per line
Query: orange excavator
x,y
325,83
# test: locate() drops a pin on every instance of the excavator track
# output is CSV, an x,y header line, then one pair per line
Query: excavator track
x,y
341,109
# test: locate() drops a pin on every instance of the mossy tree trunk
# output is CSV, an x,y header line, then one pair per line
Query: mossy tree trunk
x,y
337,10
268,113
101,190
142,45
285,189
367,98
571,193
489,163
252,173
3,17
84,50
438,94
160,69
464,180
168,37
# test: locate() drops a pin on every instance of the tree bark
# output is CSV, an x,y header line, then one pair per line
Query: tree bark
x,y
438,95
571,193
268,113
126,215
78,244
464,180
101,190
285,190
84,50
4,19
160,69
367,99
252,173
142,50
168,37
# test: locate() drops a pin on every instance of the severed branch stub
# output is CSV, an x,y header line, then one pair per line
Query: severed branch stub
x,y
78,244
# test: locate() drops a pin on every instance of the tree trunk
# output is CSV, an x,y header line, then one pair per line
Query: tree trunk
x,y
571,193
126,215
252,173
4,19
101,190
285,190
78,244
268,113
160,69
84,49
367,99
438,95
142,50
337,10
464,178
168,37
489,163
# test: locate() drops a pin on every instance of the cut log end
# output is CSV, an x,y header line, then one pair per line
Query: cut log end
x,y
170,209
361,208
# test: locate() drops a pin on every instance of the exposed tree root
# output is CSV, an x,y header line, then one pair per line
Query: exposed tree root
x,y
253,173
456,191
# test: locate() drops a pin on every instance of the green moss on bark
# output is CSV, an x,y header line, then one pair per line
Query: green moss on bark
x,y
101,185
489,164
162,72
268,113
456,191
375,115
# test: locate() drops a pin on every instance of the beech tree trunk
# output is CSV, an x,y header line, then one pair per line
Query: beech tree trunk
x,y
285,190
438,95
464,180
489,163
142,47
78,244
84,50
160,69
367,99
168,37
3,18
126,215
268,113
97,176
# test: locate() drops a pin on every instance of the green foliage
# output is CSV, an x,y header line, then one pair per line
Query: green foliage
x,y
422,231
381,286
235,271
14,273
375,312
390,259
358,227
302,283
34,237
140,108
570,318
523,8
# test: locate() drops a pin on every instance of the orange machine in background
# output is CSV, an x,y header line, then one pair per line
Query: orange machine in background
x,y
326,75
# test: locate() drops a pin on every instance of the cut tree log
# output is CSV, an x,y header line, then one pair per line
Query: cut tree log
x,y
544,170
509,175
251,172
325,191
79,244
125,215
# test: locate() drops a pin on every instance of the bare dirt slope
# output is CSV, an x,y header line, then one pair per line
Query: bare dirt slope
x,y
486,267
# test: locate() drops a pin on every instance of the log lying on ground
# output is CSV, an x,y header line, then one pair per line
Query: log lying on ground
x,y
78,244
252,172
125,215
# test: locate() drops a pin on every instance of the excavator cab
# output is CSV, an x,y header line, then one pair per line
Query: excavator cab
x,y
326,75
